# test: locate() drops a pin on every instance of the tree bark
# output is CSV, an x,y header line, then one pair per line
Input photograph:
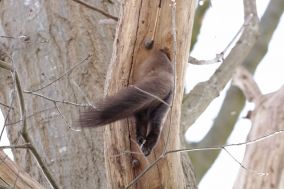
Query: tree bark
x,y
263,158
136,24
11,175
47,38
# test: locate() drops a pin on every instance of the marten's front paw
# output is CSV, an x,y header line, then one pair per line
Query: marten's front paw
x,y
147,147
140,140
146,150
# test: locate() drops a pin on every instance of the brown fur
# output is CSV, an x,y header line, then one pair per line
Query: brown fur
x,y
154,75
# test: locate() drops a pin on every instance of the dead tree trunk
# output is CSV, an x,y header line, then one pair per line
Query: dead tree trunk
x,y
264,157
136,25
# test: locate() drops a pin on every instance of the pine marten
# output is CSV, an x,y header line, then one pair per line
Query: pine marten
x,y
155,76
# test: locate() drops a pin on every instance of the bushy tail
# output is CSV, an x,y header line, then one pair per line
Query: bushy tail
x,y
125,103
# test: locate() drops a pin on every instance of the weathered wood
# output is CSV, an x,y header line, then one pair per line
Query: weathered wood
x,y
136,24
11,176
264,158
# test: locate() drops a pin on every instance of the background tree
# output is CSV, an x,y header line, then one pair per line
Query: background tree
x,y
234,100
265,150
45,40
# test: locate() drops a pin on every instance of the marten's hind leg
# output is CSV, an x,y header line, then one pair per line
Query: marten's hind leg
x,y
141,126
155,122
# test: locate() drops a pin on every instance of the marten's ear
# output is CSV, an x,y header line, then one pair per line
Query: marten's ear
x,y
166,50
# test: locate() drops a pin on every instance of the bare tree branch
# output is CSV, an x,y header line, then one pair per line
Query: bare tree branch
x,y
82,93
24,131
15,146
243,79
64,118
249,142
64,74
198,19
96,9
31,115
220,57
234,100
5,105
55,100
174,51
150,94
13,73
219,147
203,93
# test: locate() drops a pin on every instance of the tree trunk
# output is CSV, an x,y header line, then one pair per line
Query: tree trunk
x,y
136,25
46,39
264,157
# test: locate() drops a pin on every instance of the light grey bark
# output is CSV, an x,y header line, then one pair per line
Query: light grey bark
x,y
264,157
49,37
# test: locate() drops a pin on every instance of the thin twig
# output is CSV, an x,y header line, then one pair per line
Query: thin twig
x,y
83,93
203,93
143,172
64,118
206,149
55,100
27,138
228,145
150,94
24,132
242,166
17,176
126,152
13,73
246,22
27,145
174,49
156,21
96,9
40,162
64,74
7,116
220,57
6,106
31,115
